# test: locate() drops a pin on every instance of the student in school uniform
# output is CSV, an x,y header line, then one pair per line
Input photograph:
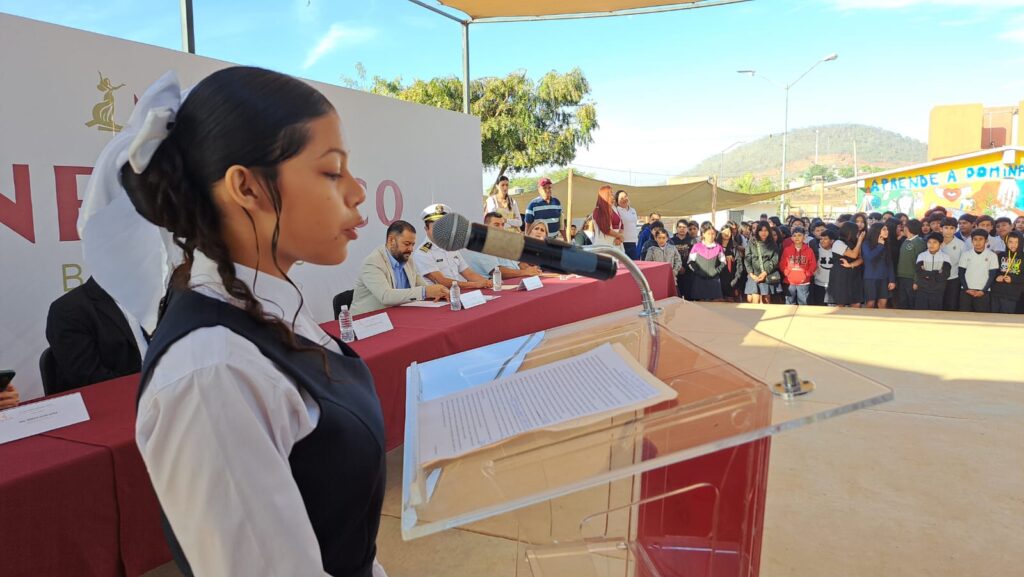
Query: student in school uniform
x,y
706,262
263,436
1003,226
879,278
663,251
978,270
913,245
846,281
988,224
954,249
965,224
761,262
732,274
819,289
893,242
933,268
1009,285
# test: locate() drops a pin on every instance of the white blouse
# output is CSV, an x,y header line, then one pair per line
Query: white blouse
x,y
513,219
629,218
215,428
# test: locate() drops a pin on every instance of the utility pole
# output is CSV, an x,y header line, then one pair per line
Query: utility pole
x,y
855,159
785,130
816,146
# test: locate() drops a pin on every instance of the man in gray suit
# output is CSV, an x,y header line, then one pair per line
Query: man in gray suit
x,y
389,277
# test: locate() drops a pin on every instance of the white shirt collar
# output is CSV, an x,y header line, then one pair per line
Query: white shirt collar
x,y
278,298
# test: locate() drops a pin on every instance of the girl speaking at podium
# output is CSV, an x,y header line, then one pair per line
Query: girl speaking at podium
x,y
262,435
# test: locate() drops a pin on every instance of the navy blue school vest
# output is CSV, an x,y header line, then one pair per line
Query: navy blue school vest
x,y
339,468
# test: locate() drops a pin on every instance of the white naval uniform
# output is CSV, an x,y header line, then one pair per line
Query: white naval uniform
x,y
430,258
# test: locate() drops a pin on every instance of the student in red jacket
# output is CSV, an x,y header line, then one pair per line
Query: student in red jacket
x,y
797,264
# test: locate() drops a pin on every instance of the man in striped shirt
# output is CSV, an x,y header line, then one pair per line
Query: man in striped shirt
x,y
546,208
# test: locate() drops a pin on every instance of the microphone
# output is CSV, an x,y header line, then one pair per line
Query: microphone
x,y
454,232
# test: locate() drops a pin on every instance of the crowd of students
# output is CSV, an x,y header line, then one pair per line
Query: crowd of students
x,y
876,260
872,260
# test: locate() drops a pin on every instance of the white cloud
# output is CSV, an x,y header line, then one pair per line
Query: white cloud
x,y
1014,31
1015,35
339,35
960,23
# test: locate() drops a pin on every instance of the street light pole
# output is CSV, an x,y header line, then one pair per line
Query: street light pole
x,y
785,129
785,136
721,156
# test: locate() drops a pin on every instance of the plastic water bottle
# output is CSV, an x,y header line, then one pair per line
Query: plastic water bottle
x,y
455,295
496,278
348,333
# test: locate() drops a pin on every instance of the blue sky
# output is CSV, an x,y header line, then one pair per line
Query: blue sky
x,y
665,85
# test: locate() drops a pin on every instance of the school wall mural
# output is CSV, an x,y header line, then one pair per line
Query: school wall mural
x,y
991,184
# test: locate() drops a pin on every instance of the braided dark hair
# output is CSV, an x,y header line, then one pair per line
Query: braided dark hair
x,y
242,116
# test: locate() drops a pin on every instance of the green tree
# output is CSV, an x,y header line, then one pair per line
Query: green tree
x,y
744,184
358,82
817,170
766,184
523,124
750,184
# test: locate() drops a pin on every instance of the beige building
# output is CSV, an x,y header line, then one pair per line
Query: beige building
x,y
956,129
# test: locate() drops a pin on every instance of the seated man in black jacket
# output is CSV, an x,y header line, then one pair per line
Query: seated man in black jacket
x,y
91,338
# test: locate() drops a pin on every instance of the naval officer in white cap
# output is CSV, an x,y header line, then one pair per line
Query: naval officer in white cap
x,y
443,267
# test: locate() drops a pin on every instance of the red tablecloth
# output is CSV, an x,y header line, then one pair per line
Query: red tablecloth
x,y
77,501
111,426
58,511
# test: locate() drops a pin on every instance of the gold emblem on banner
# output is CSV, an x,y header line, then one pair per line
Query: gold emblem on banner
x,y
103,111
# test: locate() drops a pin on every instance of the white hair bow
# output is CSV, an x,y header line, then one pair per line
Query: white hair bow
x,y
128,256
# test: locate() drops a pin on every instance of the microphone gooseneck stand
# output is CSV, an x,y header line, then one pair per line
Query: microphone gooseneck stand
x,y
651,311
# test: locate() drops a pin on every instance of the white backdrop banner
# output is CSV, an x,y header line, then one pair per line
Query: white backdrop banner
x,y
67,92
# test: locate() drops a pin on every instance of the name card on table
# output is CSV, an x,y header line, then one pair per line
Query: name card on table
x,y
372,325
426,304
473,299
530,283
35,418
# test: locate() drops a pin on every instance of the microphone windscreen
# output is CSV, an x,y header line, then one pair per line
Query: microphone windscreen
x,y
451,232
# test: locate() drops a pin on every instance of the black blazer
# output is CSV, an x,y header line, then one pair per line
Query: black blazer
x,y
90,338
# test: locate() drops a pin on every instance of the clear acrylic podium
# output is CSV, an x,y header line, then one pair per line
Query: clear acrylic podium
x,y
675,490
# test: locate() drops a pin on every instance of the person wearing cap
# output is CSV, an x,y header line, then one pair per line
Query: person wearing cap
x,y
440,266
547,209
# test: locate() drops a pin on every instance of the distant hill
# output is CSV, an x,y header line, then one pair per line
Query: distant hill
x,y
875,147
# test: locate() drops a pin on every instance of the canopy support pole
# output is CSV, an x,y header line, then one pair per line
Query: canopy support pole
x,y
188,27
465,67
714,199
568,222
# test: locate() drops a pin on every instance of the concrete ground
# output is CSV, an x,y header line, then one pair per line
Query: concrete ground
x,y
931,484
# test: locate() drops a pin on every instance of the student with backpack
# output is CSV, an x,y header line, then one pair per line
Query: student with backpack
x,y
762,264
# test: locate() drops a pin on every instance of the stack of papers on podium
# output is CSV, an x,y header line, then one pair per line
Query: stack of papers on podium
x,y
596,385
